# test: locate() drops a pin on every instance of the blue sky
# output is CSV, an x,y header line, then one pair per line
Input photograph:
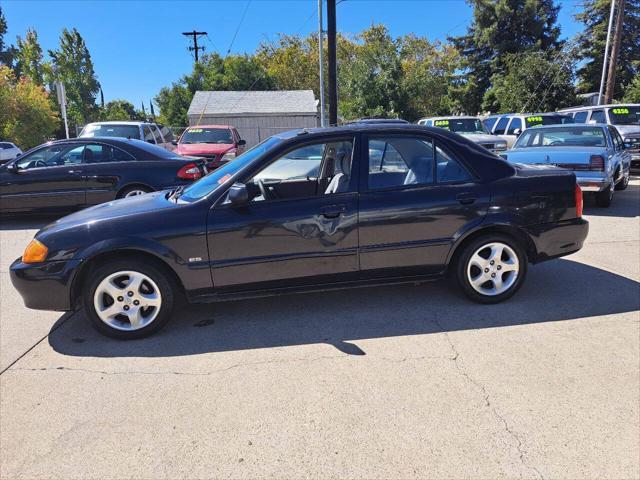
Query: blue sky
x,y
137,47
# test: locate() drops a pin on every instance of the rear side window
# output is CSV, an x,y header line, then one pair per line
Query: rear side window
x,y
501,126
449,170
148,135
98,153
598,116
400,161
580,117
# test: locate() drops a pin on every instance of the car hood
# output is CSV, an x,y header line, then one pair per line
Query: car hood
x,y
625,130
481,137
110,210
203,148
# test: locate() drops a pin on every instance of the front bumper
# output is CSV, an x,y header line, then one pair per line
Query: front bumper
x,y
45,286
558,239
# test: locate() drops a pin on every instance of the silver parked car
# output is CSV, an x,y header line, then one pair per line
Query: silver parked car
x,y
8,151
596,153
153,133
470,127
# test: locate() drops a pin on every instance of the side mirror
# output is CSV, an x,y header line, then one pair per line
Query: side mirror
x,y
18,154
241,142
13,168
174,142
517,131
238,194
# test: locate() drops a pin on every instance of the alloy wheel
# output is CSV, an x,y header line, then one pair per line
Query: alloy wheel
x,y
127,300
493,269
134,193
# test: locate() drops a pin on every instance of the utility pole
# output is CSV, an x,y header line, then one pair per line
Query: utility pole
x,y
617,37
606,52
331,44
323,122
195,47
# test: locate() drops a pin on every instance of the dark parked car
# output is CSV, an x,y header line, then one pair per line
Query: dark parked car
x,y
71,174
385,204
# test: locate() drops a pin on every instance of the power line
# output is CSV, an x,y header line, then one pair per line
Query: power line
x,y
195,34
239,25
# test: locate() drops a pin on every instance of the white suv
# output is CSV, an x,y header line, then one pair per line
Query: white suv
x,y
8,151
145,131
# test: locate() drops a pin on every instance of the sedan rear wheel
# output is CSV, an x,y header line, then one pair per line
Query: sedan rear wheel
x,y
133,192
491,268
128,300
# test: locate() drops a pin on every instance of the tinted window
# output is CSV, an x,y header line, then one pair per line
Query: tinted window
x,y
448,169
625,115
5,146
598,116
535,120
515,124
156,132
53,156
207,135
580,117
489,123
300,163
95,153
402,161
461,125
562,137
501,126
122,131
148,135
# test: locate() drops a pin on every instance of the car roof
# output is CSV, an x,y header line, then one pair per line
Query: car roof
x,y
571,125
454,117
124,122
597,107
376,121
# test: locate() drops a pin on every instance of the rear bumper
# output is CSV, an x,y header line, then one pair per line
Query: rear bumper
x,y
591,184
558,239
45,286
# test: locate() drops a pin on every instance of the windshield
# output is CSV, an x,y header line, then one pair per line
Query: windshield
x,y
534,120
207,135
624,115
461,125
121,131
562,137
209,183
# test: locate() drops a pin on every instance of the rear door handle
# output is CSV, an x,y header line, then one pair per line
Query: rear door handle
x,y
466,198
333,211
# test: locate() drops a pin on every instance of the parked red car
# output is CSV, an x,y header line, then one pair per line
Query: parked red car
x,y
218,144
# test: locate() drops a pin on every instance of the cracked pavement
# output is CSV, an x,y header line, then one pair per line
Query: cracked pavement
x,y
393,382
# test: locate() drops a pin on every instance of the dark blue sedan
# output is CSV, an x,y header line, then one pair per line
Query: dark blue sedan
x,y
382,204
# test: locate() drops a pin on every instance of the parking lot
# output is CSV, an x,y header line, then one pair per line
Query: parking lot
x,y
389,382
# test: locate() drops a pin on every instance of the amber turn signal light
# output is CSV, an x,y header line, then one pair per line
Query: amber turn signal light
x,y
35,252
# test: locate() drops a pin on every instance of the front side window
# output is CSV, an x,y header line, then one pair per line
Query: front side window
x,y
53,156
148,135
516,124
166,133
157,134
501,126
597,116
580,117
316,169
400,161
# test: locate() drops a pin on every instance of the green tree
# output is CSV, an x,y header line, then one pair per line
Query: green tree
x,y
7,52
29,57
26,117
632,92
499,28
71,64
534,83
120,110
592,41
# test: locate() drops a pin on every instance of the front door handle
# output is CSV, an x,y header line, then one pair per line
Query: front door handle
x,y
333,211
75,172
466,198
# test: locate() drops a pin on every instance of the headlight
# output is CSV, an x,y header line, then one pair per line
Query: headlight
x,y
35,252
227,157
501,146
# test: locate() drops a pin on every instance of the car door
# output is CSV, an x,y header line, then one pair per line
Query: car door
x,y
300,227
50,178
104,167
416,196
621,155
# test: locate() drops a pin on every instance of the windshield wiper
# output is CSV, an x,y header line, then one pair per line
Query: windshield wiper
x,y
175,193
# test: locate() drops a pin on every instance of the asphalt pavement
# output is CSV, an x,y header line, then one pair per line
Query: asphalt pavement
x,y
389,382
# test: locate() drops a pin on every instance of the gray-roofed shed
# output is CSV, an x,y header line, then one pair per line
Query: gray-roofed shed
x,y
256,114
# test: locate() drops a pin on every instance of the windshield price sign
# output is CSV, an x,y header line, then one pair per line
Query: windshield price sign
x,y
441,123
534,119
621,111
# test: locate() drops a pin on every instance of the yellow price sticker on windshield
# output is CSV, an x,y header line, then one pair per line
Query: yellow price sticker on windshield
x,y
196,130
441,123
534,119
621,111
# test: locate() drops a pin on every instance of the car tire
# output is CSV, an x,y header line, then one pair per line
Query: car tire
x,y
603,198
133,191
476,275
124,311
623,184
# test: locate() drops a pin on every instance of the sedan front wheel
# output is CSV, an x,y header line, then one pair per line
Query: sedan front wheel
x,y
128,299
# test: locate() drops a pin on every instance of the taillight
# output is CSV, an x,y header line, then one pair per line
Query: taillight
x,y
596,162
189,172
579,201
